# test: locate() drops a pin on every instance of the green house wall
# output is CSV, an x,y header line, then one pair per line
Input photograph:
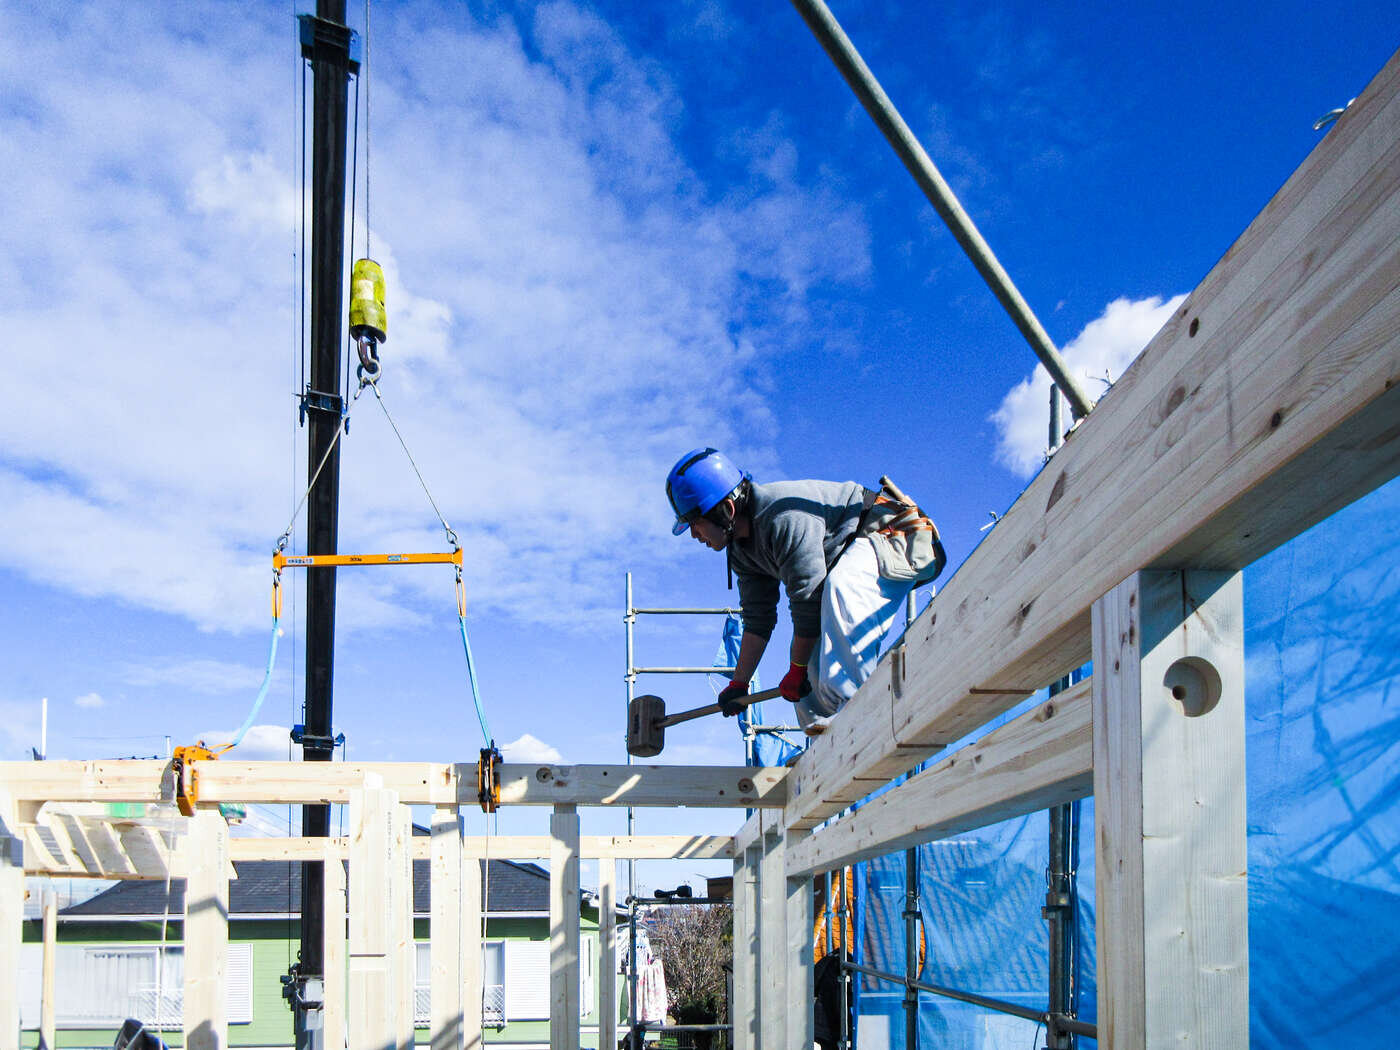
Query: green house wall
x,y
275,944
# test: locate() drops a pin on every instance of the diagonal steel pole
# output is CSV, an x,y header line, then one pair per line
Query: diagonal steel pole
x,y
833,39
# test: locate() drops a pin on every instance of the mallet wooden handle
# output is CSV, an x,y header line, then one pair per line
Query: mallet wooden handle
x,y
710,709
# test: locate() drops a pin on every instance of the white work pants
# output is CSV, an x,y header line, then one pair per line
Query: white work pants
x,y
858,606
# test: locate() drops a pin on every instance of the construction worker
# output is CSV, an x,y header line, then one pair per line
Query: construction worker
x,y
802,535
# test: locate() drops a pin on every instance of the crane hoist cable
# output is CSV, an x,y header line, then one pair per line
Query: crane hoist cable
x,y
368,327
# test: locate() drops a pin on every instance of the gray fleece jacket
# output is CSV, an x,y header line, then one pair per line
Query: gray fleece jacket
x,y
799,529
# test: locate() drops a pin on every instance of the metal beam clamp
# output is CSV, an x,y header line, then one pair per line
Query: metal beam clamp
x,y
488,779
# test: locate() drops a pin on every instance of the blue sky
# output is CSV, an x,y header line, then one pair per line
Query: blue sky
x,y
612,232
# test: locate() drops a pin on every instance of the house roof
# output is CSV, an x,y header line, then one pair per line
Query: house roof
x,y
273,887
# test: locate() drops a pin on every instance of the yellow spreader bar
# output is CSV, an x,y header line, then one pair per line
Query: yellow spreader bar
x,y
282,561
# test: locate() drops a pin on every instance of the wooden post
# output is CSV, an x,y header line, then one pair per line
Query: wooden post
x,y
607,953
48,1013
403,956
373,999
446,929
470,916
798,965
206,930
563,929
333,954
1169,804
11,920
772,937
743,1009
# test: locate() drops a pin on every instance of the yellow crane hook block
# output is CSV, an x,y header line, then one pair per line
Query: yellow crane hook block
x,y
368,318
322,561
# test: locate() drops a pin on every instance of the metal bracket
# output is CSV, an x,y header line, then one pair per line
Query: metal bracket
x,y
488,779
336,38
319,401
313,742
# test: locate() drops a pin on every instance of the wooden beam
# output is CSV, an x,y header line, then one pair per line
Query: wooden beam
x,y
744,1003
77,838
564,929
108,847
716,786
48,1012
1169,787
403,960
445,929
146,848
1041,759
607,952
501,847
1269,401
113,780
373,999
772,937
471,936
797,966
611,847
206,930
416,783
333,954
11,918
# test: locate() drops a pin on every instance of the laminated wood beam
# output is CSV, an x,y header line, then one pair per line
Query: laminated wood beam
x,y
744,1005
11,919
333,953
147,850
607,952
108,847
78,840
611,847
403,960
469,916
45,855
415,783
1169,813
1041,759
564,929
798,964
373,926
1269,401
445,930
206,930
773,959
501,847
714,786
48,1012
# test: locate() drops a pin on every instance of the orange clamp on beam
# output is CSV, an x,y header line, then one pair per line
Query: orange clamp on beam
x,y
186,777
323,561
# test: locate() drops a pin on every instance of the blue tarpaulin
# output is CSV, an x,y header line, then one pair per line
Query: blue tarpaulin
x,y
1322,652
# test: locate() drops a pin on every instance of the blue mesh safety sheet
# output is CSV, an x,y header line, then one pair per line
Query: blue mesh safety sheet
x,y
1322,651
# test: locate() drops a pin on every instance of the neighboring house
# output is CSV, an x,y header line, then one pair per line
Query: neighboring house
x,y
110,961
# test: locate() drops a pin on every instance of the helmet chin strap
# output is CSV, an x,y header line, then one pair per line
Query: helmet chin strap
x,y
729,553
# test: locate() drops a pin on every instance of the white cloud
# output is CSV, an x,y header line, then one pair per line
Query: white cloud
x,y
530,749
569,307
90,700
263,743
1106,346
208,677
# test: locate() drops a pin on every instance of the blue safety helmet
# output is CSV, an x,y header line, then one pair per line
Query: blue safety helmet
x,y
700,481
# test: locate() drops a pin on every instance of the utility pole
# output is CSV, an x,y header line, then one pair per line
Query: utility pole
x,y
325,41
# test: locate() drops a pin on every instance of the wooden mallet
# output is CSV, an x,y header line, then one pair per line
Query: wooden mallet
x,y
647,720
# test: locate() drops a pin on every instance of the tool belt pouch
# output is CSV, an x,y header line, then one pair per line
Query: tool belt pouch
x,y
907,546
